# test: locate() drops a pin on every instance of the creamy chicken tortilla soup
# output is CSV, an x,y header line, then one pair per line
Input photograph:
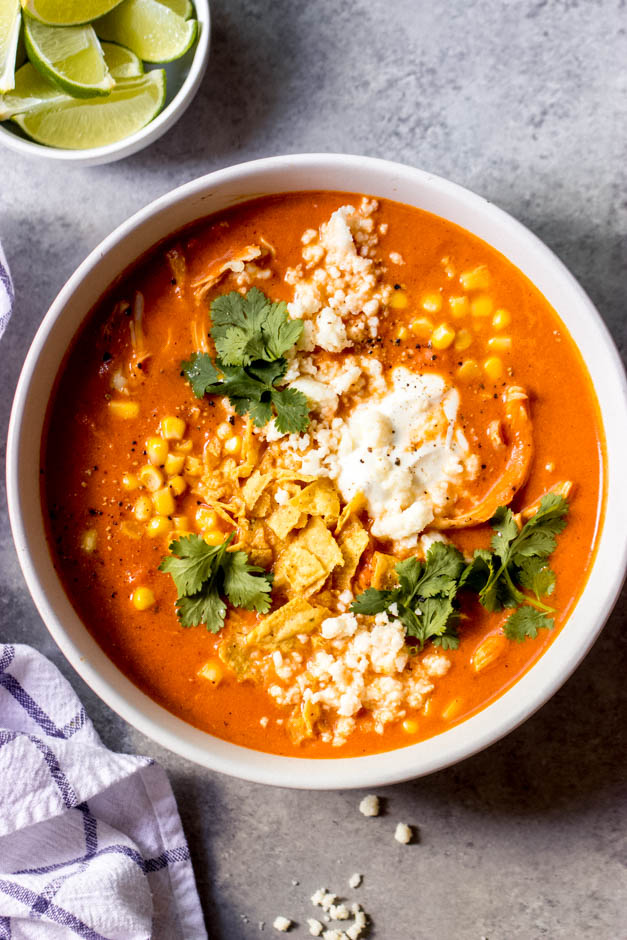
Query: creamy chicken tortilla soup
x,y
323,474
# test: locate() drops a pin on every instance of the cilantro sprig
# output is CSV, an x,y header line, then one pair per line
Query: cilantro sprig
x,y
251,334
424,598
514,573
205,574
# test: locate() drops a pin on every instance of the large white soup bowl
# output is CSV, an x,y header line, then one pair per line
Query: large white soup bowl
x,y
195,201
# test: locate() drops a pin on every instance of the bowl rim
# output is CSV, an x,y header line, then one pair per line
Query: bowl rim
x,y
145,135
492,722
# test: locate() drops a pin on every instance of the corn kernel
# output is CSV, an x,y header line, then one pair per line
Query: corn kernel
x,y
174,464
143,509
493,368
89,541
213,537
482,306
453,709
460,306
124,409
184,447
500,344
193,466
468,371
421,326
463,340
477,279
432,302
181,523
177,485
173,428
402,333
410,726
233,445
163,501
157,526
157,450
142,598
442,336
501,319
224,430
151,478
399,300
206,518
130,482
212,670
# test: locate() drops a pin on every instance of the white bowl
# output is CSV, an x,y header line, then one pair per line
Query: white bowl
x,y
211,194
183,78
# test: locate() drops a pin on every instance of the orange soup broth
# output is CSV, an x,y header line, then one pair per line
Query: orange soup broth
x,y
86,452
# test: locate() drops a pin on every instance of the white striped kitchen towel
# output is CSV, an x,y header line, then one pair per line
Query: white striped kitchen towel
x,y
91,842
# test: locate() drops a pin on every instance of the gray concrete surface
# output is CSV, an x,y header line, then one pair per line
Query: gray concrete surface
x,y
526,103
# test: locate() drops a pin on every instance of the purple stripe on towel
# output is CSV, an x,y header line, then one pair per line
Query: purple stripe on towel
x,y
52,911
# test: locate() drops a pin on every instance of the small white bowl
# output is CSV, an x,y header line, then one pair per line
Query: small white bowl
x,y
197,200
183,78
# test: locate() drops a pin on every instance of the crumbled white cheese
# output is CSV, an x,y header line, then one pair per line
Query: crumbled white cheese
x,y
264,721
369,806
396,258
315,927
355,880
282,496
339,912
330,332
320,396
403,833
282,924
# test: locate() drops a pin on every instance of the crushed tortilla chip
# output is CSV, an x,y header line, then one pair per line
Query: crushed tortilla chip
x,y
353,506
301,723
250,451
284,519
319,499
202,285
305,564
290,620
353,541
254,487
383,571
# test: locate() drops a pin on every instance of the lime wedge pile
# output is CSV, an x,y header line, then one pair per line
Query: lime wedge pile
x,y
84,84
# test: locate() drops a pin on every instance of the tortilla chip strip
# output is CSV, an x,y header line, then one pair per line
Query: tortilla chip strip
x,y
353,506
296,617
319,499
383,571
250,451
303,567
353,541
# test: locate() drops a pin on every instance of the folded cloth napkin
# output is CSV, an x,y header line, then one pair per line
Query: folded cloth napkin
x,y
6,293
91,843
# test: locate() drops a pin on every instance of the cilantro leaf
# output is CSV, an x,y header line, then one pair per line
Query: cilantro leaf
x,y
203,574
525,622
372,602
535,575
192,562
504,524
200,372
443,568
204,607
242,586
292,410
250,326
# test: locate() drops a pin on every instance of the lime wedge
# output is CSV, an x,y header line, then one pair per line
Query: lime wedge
x,y
10,18
67,12
31,91
121,62
69,56
184,8
150,28
78,124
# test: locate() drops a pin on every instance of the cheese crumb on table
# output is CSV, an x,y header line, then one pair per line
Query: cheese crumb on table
x,y
403,833
315,927
282,924
369,806
355,880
